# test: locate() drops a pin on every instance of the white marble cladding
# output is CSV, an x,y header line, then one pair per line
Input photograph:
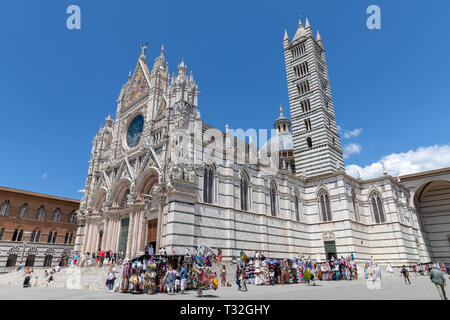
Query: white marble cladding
x,y
162,179
223,224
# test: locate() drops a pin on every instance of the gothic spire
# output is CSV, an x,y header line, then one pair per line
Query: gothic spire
x,y
307,25
286,37
318,38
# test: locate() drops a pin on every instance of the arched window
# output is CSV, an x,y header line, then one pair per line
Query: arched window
x,y
297,207
124,201
245,192
355,206
208,184
54,237
23,211
70,238
377,208
50,236
35,235
273,199
2,231
4,209
66,238
14,237
56,215
17,235
309,142
325,207
72,217
40,214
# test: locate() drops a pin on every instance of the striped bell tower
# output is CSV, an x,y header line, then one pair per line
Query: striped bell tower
x,y
317,145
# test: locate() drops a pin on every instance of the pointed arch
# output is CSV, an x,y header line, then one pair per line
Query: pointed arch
x,y
297,204
35,235
376,205
209,182
56,215
23,211
245,190
18,234
98,199
355,204
273,194
324,204
40,213
4,209
72,216
120,189
146,180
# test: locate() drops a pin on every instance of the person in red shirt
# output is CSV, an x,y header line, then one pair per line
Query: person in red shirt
x,y
101,257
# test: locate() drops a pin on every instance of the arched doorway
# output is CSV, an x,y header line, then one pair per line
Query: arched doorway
x,y
152,233
100,239
30,260
145,186
432,201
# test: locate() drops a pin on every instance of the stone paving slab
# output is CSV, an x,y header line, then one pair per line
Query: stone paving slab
x,y
389,288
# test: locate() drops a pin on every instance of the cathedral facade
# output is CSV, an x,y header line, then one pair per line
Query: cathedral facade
x,y
159,175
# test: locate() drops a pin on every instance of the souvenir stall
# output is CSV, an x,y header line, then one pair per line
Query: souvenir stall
x,y
251,272
259,272
203,276
145,274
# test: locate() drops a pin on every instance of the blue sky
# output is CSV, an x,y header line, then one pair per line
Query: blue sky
x,y
58,85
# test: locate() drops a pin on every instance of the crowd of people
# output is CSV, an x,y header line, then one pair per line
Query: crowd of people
x,y
89,259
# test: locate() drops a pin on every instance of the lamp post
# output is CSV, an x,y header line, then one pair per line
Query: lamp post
x,y
26,239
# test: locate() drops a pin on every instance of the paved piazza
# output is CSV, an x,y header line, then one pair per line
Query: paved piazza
x,y
391,288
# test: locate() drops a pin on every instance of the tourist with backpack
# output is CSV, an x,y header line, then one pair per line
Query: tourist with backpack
x,y
405,274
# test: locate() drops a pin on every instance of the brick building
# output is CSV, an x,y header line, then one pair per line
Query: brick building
x,y
35,229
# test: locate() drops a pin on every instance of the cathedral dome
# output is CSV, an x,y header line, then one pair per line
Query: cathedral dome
x,y
283,140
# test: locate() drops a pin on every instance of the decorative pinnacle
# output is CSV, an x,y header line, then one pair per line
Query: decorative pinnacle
x,y
281,109
286,37
299,19
307,25
318,37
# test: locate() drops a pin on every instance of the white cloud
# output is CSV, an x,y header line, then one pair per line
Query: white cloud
x,y
45,175
422,159
352,134
352,148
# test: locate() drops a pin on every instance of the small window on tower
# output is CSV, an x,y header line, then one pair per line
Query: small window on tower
x,y
308,124
309,142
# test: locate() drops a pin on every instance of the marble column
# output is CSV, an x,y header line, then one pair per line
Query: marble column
x,y
140,246
130,236
87,236
105,234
